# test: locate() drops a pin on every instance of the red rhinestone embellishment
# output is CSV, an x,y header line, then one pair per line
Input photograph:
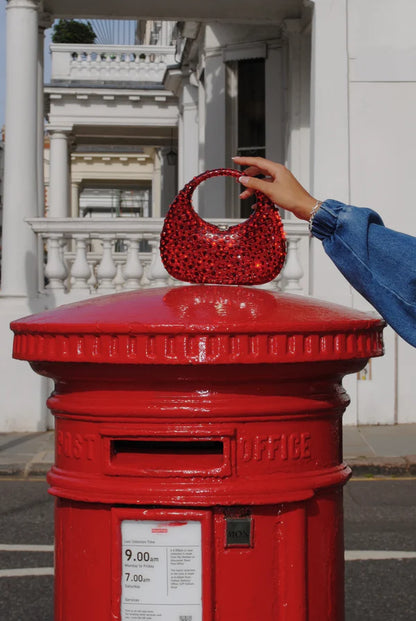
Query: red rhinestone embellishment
x,y
193,250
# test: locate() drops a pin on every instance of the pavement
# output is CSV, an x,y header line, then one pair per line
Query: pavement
x,y
386,450
373,450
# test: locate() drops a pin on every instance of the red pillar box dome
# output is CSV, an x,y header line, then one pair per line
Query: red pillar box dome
x,y
209,407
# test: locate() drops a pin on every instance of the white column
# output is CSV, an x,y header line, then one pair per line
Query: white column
x,y
59,175
22,410
188,146
298,85
157,185
40,128
215,120
74,200
45,21
212,203
19,260
329,131
329,98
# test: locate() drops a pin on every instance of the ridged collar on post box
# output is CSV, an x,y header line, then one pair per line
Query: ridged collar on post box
x,y
198,324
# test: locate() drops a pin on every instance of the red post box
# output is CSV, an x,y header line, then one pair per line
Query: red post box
x,y
199,471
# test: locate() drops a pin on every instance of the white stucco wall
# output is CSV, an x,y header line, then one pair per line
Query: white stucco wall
x,y
382,133
363,139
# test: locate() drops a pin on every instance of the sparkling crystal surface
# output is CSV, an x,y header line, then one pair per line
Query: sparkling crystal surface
x,y
197,251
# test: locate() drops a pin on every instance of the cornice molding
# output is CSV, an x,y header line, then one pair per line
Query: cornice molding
x,y
198,348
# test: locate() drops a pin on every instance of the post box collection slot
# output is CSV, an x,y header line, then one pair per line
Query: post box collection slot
x,y
166,447
169,456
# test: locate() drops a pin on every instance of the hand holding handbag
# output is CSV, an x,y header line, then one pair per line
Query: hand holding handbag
x,y
194,250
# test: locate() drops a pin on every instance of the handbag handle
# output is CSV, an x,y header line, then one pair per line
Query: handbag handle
x,y
191,186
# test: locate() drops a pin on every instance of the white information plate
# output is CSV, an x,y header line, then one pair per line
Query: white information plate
x,y
161,571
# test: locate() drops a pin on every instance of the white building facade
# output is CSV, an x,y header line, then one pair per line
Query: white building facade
x,y
1,179
327,87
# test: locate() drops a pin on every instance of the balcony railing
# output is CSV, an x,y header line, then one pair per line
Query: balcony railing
x,y
110,63
85,257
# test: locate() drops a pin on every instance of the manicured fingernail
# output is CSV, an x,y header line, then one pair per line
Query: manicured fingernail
x,y
243,179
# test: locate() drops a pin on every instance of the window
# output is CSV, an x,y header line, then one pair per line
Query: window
x,y
251,122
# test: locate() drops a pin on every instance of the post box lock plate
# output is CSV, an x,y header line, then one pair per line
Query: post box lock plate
x,y
239,532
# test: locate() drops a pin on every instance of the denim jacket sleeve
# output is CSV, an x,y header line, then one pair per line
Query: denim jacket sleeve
x,y
378,262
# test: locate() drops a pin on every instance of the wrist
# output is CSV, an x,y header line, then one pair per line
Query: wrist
x,y
306,210
313,214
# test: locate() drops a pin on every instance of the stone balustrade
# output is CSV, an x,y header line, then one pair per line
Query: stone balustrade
x,y
110,63
85,257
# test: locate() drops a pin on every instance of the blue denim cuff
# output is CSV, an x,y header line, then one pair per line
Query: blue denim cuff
x,y
325,220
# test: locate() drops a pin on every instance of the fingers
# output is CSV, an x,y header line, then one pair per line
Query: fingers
x,y
252,171
281,187
253,184
256,166
246,194
259,163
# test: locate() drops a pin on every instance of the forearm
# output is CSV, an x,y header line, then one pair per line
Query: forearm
x,y
377,261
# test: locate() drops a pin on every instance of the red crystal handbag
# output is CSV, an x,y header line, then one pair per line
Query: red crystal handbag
x,y
193,250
